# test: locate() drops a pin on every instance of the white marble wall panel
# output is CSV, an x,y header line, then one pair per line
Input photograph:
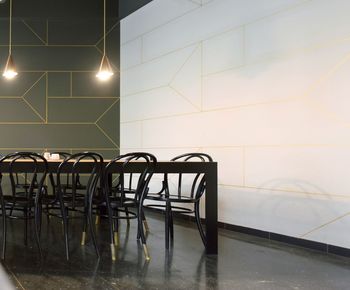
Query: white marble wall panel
x,y
131,54
146,105
279,212
131,135
293,122
153,15
209,20
222,52
256,83
334,233
314,23
307,169
262,86
154,74
332,95
230,164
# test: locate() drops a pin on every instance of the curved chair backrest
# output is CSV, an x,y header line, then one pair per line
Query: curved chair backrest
x,y
144,177
197,182
35,165
51,176
72,165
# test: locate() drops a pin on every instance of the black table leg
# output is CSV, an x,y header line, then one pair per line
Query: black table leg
x,y
211,210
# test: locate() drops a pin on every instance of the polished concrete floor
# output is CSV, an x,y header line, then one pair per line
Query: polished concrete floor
x,y
244,262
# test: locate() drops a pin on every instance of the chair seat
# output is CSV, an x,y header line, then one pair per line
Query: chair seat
x,y
20,201
171,198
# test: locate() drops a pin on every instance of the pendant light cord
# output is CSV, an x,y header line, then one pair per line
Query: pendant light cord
x,y
10,32
104,27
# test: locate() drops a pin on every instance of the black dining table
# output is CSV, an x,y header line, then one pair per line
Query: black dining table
x,y
209,169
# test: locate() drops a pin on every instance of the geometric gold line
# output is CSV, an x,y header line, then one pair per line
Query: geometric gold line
x,y
56,71
325,224
98,49
109,138
21,123
33,109
71,84
33,85
185,98
14,277
81,97
29,105
182,66
50,45
107,33
212,110
32,30
51,123
144,91
329,74
116,70
286,190
104,113
46,98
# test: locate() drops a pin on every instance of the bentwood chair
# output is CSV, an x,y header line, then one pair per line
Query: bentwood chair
x,y
188,190
125,204
76,199
23,202
51,200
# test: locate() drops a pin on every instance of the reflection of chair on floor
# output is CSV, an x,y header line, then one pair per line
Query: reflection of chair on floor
x,y
125,204
175,201
24,199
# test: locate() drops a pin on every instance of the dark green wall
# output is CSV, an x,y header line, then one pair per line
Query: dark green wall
x,y
56,102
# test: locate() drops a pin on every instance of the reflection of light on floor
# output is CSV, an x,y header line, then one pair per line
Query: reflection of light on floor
x,y
4,281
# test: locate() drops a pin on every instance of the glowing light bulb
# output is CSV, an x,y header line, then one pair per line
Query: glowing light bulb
x,y
105,72
10,70
9,74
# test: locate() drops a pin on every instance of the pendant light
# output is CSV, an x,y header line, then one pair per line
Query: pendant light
x,y
10,69
105,71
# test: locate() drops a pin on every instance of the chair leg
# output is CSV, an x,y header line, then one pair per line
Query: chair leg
x,y
25,226
4,232
127,215
65,227
116,227
92,231
110,221
144,221
171,225
142,233
198,222
37,228
167,214
83,235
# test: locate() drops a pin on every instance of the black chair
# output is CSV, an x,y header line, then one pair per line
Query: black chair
x,y
122,203
74,200
24,202
51,200
170,201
